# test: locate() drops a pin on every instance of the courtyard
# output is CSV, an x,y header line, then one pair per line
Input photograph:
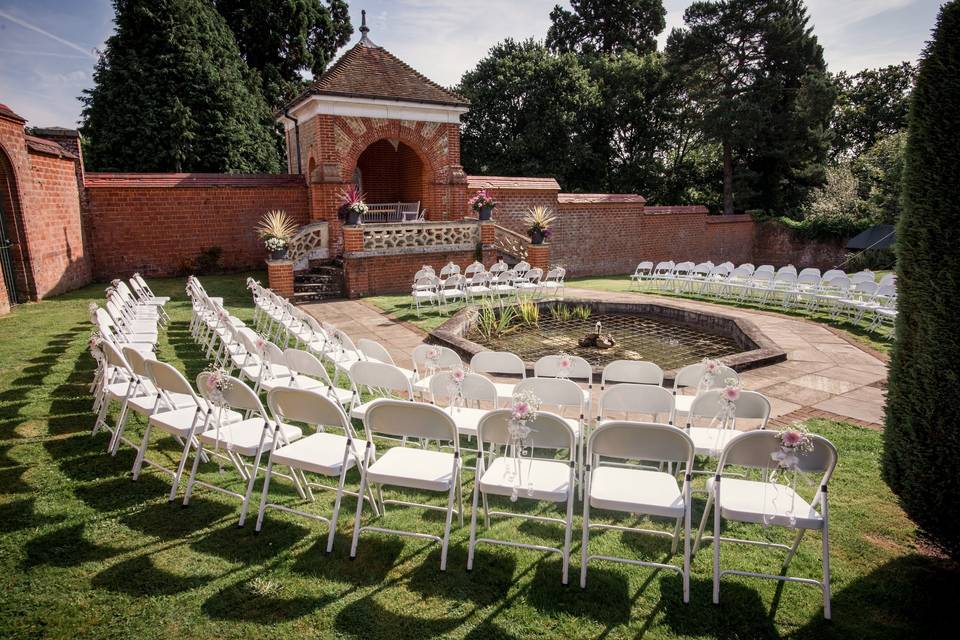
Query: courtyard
x,y
87,552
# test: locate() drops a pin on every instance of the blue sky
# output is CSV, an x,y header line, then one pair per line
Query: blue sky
x,y
47,46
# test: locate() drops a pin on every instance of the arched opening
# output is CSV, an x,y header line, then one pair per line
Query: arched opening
x,y
11,259
390,171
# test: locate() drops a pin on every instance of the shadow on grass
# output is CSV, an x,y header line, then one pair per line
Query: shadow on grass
x,y
741,613
241,544
367,618
20,514
11,481
139,576
121,493
169,521
376,557
243,602
606,599
490,580
65,547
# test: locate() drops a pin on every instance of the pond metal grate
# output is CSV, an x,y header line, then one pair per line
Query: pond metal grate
x,y
637,338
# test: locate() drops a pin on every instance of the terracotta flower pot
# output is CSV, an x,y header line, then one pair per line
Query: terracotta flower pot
x,y
536,236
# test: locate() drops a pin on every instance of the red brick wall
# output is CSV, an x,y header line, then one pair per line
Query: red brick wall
x,y
158,223
393,175
58,254
375,275
777,245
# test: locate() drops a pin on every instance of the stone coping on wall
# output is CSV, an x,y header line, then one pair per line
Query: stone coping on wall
x,y
759,350
736,217
406,251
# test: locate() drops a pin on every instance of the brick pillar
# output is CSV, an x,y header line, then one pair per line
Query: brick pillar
x,y
538,255
487,238
352,238
280,277
4,300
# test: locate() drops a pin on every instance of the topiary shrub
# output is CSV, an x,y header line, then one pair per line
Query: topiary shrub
x,y
922,438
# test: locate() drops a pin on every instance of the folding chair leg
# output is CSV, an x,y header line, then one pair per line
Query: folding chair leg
x,y
686,547
141,452
356,520
175,485
446,529
703,524
264,493
585,536
473,523
193,476
568,534
793,549
336,502
249,491
716,546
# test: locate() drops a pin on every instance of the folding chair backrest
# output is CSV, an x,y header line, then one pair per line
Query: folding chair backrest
x,y
829,274
103,317
449,359
373,350
400,418
498,267
751,405
474,387
305,363
748,267
136,360
236,394
547,431
888,279
167,378
455,281
808,271
380,375
632,371
637,398
692,374
473,268
449,269
866,289
534,275
664,267
808,280
422,273
307,406
644,267
481,278
764,268
641,441
741,273
754,448
498,362
557,392
549,367
114,356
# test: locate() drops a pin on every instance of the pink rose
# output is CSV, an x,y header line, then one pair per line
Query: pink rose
x,y
521,410
458,375
792,438
564,363
712,365
731,394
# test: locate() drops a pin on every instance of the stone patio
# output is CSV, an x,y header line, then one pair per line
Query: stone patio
x,y
825,375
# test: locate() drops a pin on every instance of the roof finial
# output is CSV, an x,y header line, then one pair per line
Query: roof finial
x,y
364,29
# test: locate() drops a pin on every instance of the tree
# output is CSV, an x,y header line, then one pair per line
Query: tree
x,y
530,115
283,39
172,94
880,171
870,105
921,436
758,74
606,26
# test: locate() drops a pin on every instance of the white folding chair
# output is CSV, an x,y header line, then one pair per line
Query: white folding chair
x,y
528,477
474,389
694,376
770,503
321,453
447,360
643,272
249,437
711,439
579,371
426,290
499,363
638,491
411,468
376,380
627,401
560,396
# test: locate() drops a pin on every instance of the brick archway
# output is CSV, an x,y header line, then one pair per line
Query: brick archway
x,y
392,171
15,279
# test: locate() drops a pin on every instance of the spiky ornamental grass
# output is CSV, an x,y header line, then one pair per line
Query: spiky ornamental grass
x,y
923,406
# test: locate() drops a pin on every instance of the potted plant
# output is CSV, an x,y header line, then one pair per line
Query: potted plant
x,y
483,204
539,221
276,229
352,205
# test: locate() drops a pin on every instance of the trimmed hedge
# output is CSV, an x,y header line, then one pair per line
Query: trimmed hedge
x,y
922,438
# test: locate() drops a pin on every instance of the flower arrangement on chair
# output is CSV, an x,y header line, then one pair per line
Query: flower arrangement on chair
x,y
711,368
352,205
217,383
539,223
523,409
276,229
795,441
483,204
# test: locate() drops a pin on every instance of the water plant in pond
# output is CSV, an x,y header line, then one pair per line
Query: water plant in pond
x,y
529,313
582,312
561,312
492,325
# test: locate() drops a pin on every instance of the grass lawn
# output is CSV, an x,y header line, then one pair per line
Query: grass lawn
x,y
85,552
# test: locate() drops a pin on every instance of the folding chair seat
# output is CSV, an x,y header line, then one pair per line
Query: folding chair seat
x,y
307,372
711,440
638,491
770,503
502,363
540,479
419,469
321,453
